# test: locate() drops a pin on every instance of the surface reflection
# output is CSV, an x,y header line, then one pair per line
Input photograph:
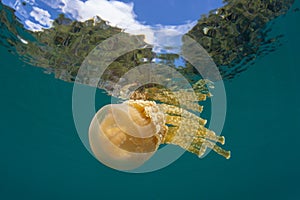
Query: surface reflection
x,y
58,35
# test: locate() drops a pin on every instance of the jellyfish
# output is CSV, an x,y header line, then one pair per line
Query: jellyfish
x,y
124,136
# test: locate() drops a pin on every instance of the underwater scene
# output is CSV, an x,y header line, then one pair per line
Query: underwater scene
x,y
131,99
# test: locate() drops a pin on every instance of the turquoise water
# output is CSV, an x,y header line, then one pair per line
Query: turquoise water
x,y
42,156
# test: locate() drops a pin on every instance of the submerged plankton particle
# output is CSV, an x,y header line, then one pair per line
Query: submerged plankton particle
x,y
124,136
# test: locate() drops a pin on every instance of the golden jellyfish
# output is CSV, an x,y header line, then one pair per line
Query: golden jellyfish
x,y
124,136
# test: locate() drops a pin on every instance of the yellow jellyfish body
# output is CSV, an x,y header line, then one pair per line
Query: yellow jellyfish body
x,y
124,136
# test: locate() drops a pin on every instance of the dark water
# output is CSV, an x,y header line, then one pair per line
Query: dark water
x,y
42,156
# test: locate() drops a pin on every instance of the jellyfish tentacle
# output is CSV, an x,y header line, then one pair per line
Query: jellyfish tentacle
x,y
189,99
176,120
186,142
208,144
197,130
193,136
218,149
203,85
196,143
171,95
174,110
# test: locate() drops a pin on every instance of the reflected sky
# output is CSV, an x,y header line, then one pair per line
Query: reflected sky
x,y
172,12
162,22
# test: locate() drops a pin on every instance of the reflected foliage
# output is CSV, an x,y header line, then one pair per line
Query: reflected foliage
x,y
237,33
234,36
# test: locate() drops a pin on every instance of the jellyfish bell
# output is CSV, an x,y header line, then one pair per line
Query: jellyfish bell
x,y
124,136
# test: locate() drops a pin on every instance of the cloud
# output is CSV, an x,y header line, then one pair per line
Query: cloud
x,y
169,37
41,16
117,13
33,26
122,15
56,4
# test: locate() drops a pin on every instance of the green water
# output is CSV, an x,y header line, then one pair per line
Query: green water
x,y
42,156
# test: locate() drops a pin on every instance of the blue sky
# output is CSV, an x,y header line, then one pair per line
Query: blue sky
x,y
147,12
163,22
172,12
